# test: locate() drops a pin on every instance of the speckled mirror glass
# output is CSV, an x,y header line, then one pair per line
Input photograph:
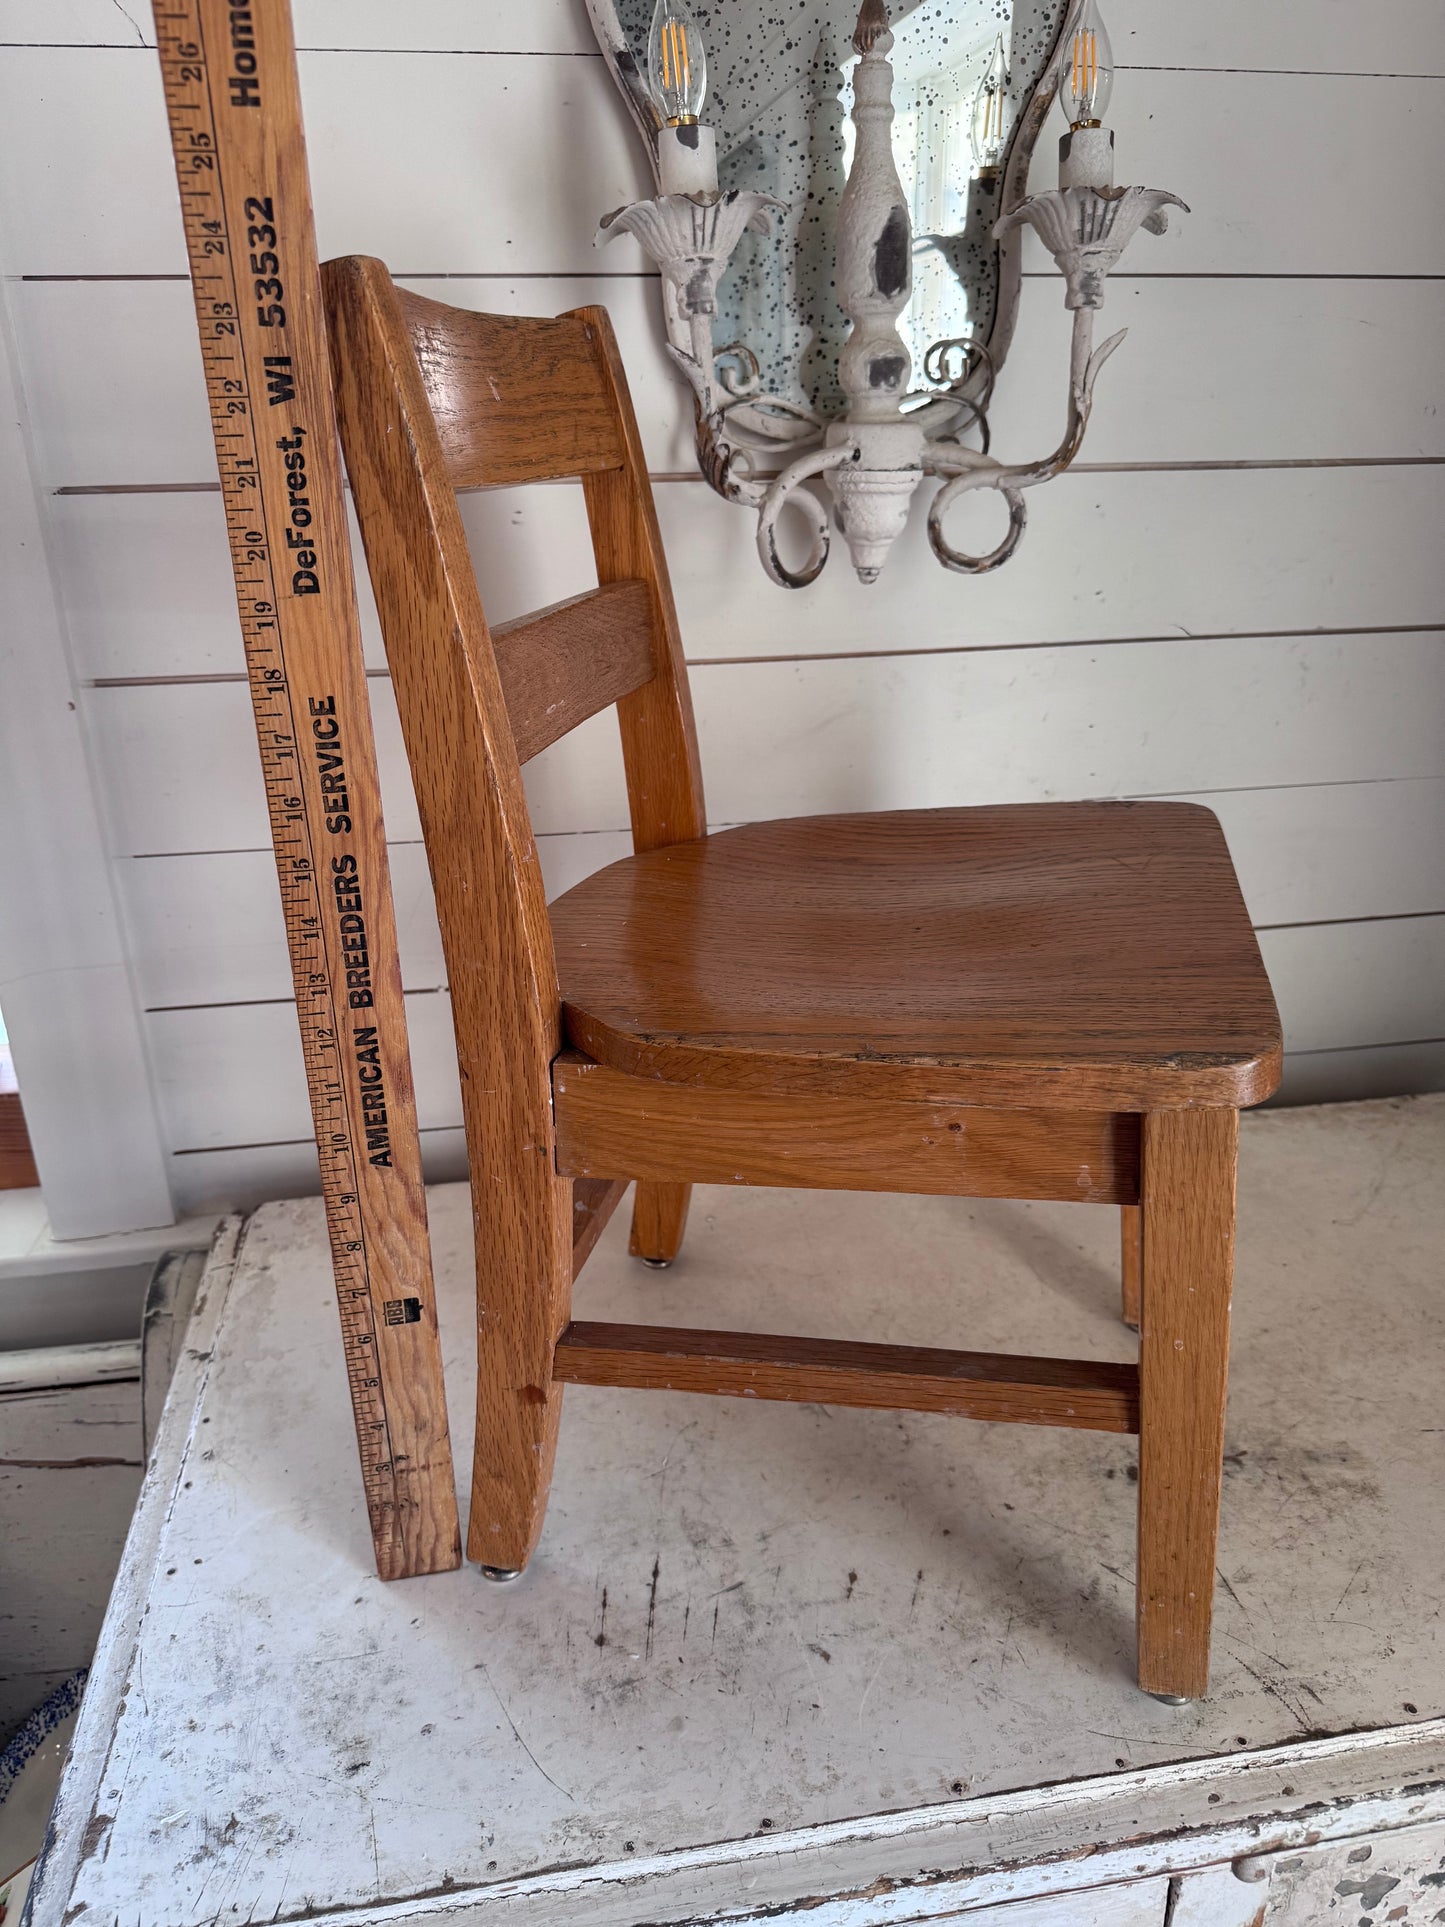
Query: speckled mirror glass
x,y
779,95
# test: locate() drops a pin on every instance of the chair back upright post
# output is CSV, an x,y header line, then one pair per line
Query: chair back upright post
x,y
431,400
659,737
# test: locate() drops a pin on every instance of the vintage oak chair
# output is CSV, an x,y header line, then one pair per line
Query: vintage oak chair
x,y
1036,1001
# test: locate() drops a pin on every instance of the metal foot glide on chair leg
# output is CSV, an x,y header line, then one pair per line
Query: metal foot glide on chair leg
x,y
1172,1699
501,1575
658,1264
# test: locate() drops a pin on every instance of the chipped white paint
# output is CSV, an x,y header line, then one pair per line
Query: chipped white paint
x,y
1233,1895
872,1663
70,1468
1398,1879
117,1660
1143,1905
47,1368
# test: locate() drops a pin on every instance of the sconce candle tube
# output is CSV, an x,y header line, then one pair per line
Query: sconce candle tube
x,y
687,160
1086,157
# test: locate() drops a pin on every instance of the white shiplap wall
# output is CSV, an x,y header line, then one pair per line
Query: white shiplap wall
x,y
1237,597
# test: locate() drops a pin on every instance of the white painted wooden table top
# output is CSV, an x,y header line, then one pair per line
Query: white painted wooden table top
x,y
765,1652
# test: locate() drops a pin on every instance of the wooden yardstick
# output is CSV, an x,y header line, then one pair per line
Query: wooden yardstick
x,y
235,117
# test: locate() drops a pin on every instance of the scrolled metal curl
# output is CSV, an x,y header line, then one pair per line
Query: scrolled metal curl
x,y
955,559
789,486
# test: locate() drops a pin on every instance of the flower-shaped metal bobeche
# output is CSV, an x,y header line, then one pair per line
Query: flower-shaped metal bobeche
x,y
692,241
1086,229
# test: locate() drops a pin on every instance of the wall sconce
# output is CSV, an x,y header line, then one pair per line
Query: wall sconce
x,y
873,452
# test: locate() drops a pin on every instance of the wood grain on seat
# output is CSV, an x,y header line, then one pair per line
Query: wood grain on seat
x,y
1048,954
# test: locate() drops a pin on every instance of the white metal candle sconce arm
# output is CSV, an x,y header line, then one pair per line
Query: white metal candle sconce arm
x,y
873,457
1086,230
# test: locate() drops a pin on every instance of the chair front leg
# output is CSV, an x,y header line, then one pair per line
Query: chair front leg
x,y
1188,1193
659,1218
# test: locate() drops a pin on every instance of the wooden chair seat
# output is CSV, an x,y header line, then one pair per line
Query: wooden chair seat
x,y
1070,954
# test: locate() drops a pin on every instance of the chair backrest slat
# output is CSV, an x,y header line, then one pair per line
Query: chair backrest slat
x,y
514,399
567,662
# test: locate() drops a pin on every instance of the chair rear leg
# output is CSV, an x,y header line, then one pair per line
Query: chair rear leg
x,y
1131,1244
659,1218
523,1222
1188,1262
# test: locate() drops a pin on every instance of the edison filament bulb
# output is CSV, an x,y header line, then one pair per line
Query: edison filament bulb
x,y
989,116
1087,78
677,63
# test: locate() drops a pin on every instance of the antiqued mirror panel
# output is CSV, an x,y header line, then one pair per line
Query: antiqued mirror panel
x,y
837,231
779,95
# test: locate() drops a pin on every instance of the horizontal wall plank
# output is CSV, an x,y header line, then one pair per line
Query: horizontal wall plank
x,y
1347,850
208,929
1199,377
908,732
1197,552
484,173
154,426
1324,36
441,26
178,770
147,585
788,738
233,1077
448,26
148,591
1359,983
1331,36
481,170
240,1178
75,23
1175,393
1344,1076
